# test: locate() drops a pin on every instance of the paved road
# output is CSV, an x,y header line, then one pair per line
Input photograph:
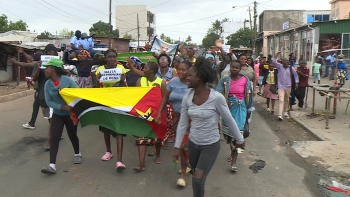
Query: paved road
x,y
22,156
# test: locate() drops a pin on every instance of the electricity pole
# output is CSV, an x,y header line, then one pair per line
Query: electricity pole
x,y
255,29
110,25
250,19
149,25
138,33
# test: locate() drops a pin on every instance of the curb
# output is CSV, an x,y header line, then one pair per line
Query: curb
x,y
14,96
318,138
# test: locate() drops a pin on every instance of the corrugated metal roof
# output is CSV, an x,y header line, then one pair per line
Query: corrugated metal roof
x,y
336,26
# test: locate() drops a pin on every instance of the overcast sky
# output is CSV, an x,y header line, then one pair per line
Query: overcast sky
x,y
175,18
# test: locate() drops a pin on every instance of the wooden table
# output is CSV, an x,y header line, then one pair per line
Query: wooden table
x,y
330,94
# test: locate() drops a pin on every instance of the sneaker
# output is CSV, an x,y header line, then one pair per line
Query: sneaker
x,y
78,160
268,109
120,166
181,182
28,126
286,114
48,170
107,156
280,117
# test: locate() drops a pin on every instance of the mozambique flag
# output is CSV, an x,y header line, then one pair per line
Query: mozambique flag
x,y
124,110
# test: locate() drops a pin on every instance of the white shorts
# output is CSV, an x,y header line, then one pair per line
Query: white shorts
x,y
47,112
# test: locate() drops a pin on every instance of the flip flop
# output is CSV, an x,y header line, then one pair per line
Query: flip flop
x,y
158,162
151,154
138,169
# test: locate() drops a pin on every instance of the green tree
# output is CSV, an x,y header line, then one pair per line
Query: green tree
x,y
46,33
240,37
18,25
162,36
209,40
127,36
188,39
66,32
6,25
102,29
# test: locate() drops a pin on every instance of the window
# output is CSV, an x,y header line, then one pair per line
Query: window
x,y
326,17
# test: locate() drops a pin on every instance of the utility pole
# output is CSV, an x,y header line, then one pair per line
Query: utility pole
x,y
149,25
254,31
138,33
250,19
110,25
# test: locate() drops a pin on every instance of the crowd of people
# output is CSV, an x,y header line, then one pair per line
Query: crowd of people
x,y
202,97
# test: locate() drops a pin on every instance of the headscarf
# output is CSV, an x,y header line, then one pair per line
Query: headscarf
x,y
137,61
83,52
210,56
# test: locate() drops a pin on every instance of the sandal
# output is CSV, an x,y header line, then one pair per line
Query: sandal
x,y
166,147
229,159
120,166
151,154
47,147
181,182
234,169
138,169
107,156
159,162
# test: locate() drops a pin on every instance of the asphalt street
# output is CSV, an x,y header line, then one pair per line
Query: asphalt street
x,y
22,155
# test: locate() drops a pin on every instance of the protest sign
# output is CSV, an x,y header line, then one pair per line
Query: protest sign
x,y
159,46
110,75
46,58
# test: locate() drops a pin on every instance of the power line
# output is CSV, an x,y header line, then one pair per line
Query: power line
x,y
206,17
21,17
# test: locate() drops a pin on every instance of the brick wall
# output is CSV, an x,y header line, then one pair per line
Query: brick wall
x,y
119,44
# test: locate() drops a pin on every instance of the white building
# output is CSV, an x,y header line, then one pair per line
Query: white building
x,y
126,21
229,28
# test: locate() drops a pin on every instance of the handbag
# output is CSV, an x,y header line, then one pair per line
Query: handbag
x,y
273,89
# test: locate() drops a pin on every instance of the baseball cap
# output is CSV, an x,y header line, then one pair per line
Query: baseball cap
x,y
54,62
92,33
84,35
51,47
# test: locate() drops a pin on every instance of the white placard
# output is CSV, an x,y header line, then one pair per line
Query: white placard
x,y
46,58
226,48
110,75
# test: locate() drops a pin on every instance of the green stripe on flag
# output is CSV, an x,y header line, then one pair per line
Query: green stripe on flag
x,y
118,123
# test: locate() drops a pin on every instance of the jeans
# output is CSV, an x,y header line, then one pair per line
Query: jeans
x,y
301,96
36,106
56,128
201,158
326,73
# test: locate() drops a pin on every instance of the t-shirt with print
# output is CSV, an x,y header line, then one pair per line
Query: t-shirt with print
x,y
178,90
108,84
317,67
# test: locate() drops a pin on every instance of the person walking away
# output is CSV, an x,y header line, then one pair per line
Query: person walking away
x,y
286,75
303,73
61,112
238,92
270,88
316,71
175,91
203,106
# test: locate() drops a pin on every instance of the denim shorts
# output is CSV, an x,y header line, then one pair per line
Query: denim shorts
x,y
261,78
317,76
